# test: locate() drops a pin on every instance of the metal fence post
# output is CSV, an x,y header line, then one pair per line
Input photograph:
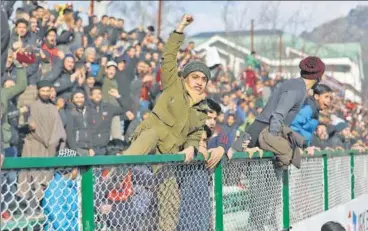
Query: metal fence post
x,y
219,198
285,200
325,181
352,165
87,200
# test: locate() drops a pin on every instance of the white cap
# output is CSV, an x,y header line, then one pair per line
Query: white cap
x,y
111,63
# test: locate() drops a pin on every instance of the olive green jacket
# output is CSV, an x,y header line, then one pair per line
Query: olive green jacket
x,y
6,95
174,117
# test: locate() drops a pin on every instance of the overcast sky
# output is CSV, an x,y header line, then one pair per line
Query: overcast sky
x,y
292,16
312,13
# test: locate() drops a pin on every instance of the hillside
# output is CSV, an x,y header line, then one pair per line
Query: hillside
x,y
351,28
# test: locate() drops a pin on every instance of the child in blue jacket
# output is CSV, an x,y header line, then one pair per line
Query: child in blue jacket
x,y
307,120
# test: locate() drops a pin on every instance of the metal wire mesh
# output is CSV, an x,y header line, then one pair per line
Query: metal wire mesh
x,y
143,197
252,196
40,199
339,187
306,189
361,175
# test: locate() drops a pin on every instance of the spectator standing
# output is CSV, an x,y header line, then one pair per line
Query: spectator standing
x,y
230,127
8,94
45,137
104,113
252,61
64,76
79,125
91,60
250,79
20,38
107,76
46,130
50,50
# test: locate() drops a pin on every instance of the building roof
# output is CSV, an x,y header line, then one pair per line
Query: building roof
x,y
236,33
267,42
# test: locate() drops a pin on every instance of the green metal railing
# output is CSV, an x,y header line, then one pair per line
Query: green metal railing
x,y
323,175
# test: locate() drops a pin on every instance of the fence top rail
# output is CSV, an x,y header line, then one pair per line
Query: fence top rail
x,y
85,161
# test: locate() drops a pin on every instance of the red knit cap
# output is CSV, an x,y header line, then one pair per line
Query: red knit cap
x,y
312,67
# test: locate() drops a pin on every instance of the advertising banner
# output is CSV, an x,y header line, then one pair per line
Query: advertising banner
x,y
352,215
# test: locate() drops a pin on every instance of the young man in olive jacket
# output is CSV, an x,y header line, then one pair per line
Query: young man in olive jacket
x,y
174,124
168,126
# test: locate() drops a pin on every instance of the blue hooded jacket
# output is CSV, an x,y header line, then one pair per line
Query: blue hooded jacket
x,y
306,121
60,204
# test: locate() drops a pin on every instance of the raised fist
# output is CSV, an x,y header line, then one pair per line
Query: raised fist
x,y
186,20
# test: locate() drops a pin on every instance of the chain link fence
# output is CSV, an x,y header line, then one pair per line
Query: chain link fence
x,y
306,189
361,175
40,199
174,195
252,195
159,197
339,180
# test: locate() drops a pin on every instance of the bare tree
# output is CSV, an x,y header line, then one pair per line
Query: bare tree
x,y
235,21
172,11
234,17
144,13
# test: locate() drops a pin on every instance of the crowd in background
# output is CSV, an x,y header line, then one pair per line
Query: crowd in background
x,y
119,71
67,85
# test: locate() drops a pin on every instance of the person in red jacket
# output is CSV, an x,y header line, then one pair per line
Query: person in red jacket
x,y
250,78
49,46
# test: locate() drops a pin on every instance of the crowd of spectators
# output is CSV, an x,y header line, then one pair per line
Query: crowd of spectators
x,y
67,85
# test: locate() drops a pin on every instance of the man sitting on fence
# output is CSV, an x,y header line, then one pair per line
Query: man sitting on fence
x,y
271,126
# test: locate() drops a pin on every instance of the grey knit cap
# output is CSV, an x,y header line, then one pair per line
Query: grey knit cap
x,y
196,66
